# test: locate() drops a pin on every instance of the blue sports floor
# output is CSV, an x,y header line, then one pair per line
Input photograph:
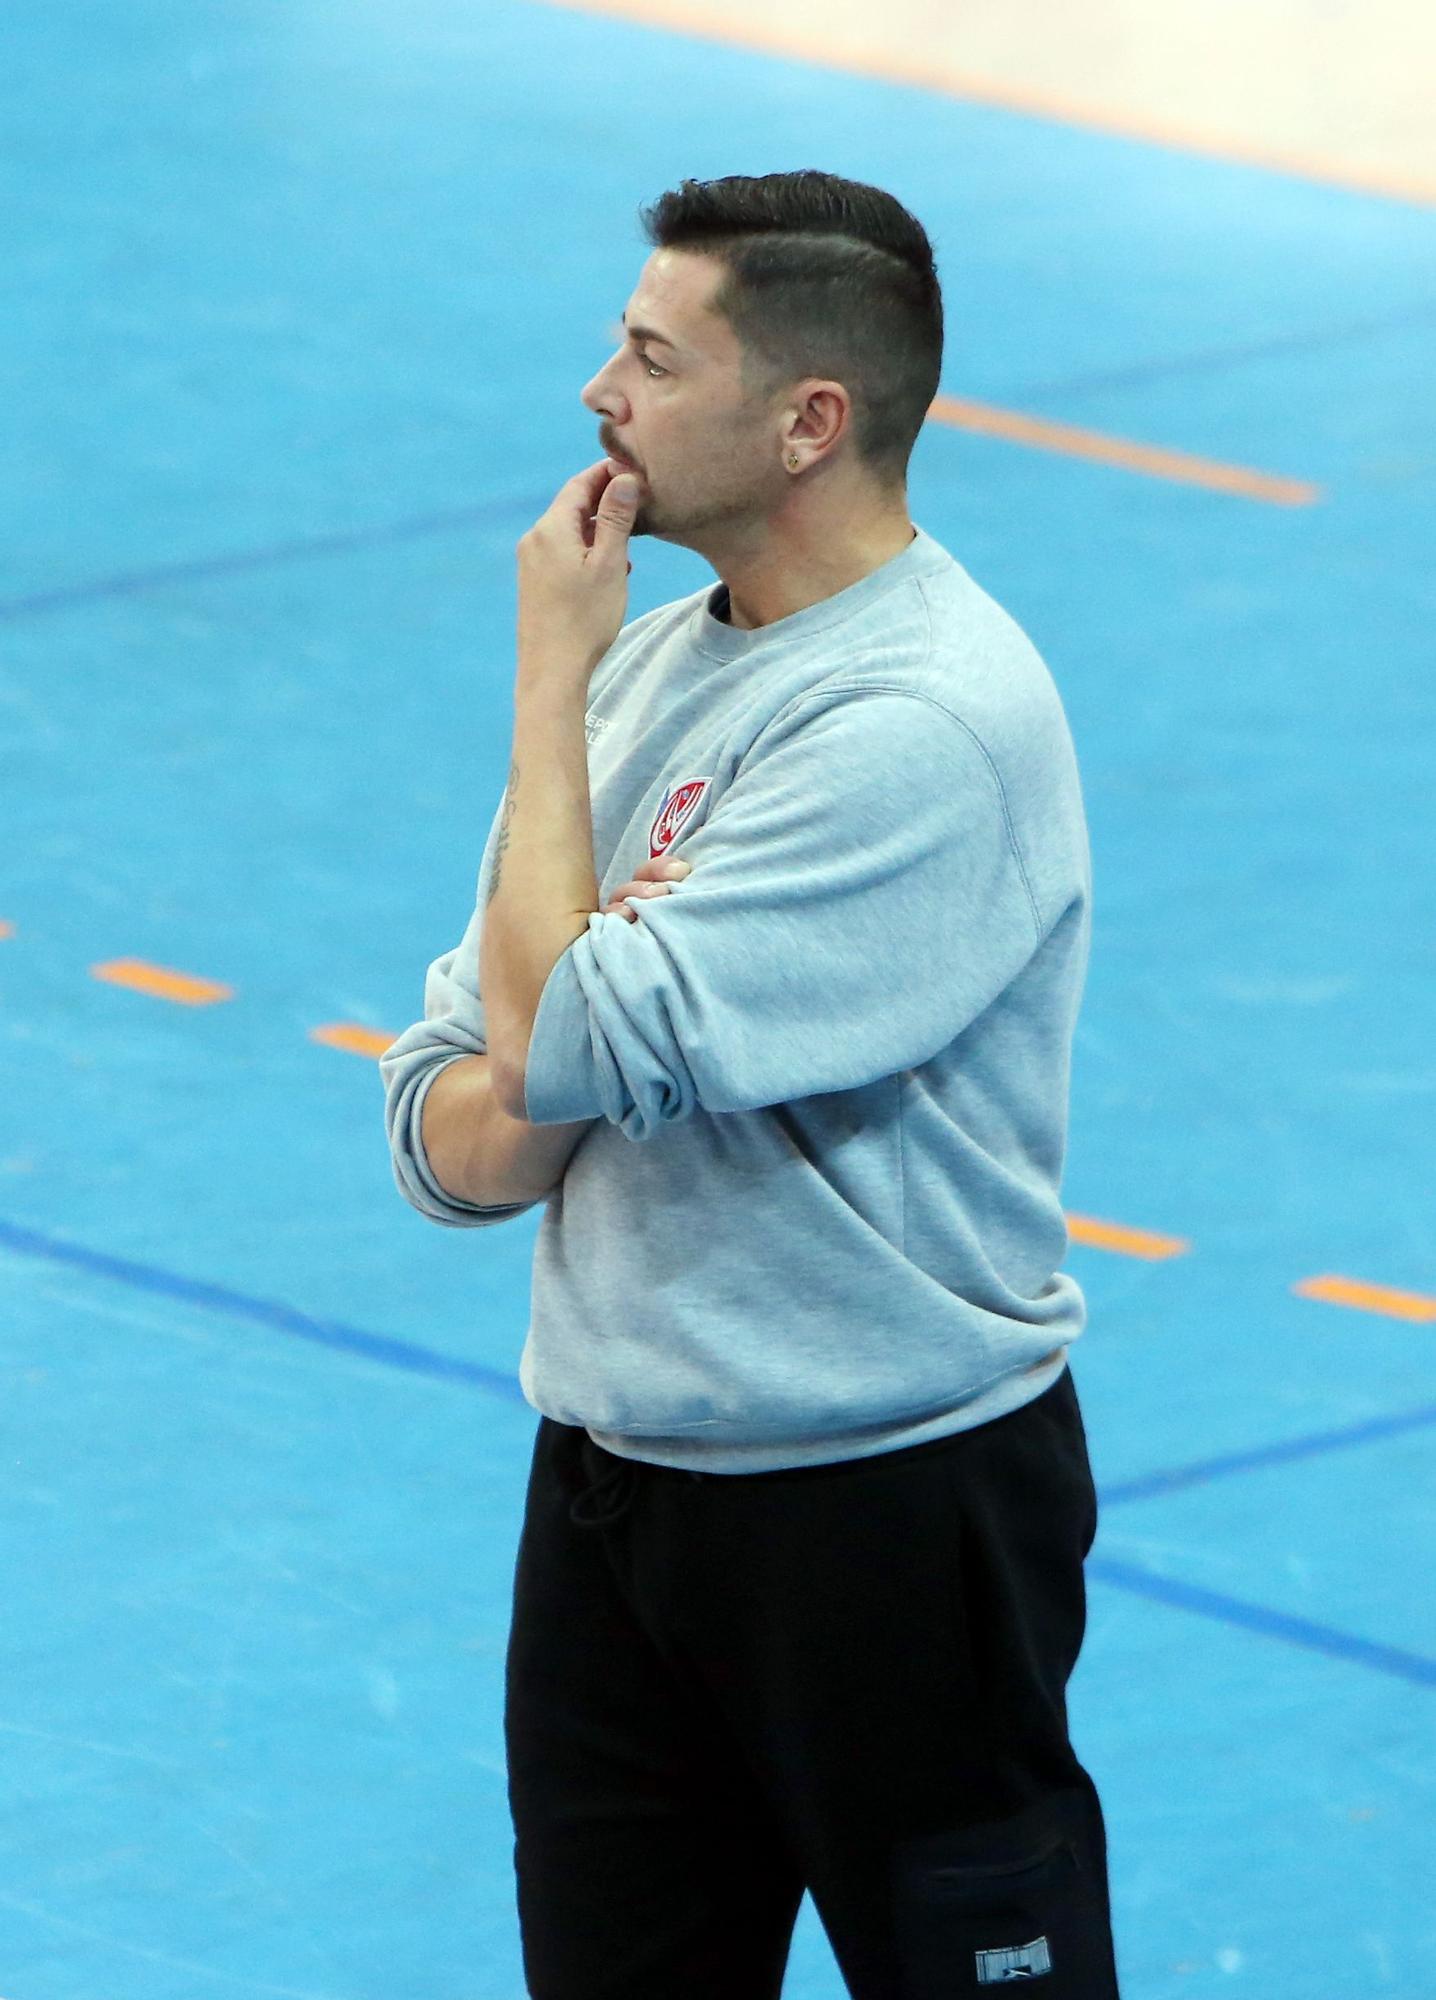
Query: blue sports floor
x,y
298,299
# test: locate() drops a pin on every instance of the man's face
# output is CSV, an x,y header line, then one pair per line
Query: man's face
x,y
675,410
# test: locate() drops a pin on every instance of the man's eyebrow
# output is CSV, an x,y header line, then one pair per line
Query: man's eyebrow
x,y
646,333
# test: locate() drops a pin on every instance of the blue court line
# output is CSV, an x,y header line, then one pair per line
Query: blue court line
x,y
1159,368
1271,1624
1311,1446
425,1361
381,534
266,1312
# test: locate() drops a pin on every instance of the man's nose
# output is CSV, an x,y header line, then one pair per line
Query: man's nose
x,y
603,400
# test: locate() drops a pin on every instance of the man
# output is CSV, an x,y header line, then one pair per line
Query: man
x,y
800,1584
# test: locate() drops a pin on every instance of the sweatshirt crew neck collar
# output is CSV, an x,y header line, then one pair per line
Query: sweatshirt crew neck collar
x,y
712,635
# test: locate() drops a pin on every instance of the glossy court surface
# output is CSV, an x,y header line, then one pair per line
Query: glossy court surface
x,y
297,305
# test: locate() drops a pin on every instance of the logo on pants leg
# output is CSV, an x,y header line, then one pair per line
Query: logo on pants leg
x,y
1019,1961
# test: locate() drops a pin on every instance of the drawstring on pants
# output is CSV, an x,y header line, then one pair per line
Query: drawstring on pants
x,y
607,1499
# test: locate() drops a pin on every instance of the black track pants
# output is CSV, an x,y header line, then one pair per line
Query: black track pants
x,y
723,1689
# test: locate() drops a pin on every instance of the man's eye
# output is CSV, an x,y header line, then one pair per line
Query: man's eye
x,y
649,364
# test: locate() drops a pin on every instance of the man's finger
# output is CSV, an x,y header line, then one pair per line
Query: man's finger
x,y
614,521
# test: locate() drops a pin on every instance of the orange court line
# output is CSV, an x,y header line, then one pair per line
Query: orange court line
x,y
346,1035
164,984
1132,1242
922,73
1154,459
1146,1243
1368,1298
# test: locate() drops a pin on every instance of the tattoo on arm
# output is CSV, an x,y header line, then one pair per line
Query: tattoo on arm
x,y
503,840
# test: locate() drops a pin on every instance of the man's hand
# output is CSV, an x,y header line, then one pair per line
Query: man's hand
x,y
573,570
651,880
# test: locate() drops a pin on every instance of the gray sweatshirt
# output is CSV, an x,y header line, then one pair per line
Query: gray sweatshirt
x,y
817,1215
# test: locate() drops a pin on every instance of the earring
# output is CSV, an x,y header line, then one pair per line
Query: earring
x,y
792,458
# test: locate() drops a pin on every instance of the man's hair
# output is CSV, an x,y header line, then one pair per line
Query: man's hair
x,y
824,277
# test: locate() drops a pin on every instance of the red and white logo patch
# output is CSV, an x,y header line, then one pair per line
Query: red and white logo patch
x,y
680,803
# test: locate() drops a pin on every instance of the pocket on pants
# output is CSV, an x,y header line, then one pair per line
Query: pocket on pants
x,y
1012,1903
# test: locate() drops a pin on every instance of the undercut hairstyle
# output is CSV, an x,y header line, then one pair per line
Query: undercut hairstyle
x,y
825,277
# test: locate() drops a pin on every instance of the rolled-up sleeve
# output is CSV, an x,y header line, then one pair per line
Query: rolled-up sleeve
x,y
856,900
452,1027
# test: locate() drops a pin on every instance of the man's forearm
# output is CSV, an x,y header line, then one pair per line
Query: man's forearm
x,y
542,887
481,1154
